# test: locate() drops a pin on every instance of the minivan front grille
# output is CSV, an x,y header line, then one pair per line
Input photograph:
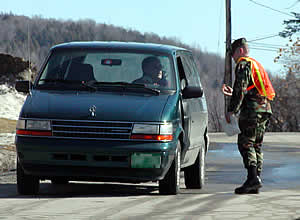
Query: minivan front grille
x,y
91,129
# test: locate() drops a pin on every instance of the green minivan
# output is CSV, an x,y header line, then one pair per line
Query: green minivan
x,y
113,111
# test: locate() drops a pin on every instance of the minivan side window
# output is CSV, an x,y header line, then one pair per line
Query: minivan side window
x,y
194,69
191,81
182,75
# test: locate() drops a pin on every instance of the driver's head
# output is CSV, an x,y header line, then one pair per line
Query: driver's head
x,y
152,67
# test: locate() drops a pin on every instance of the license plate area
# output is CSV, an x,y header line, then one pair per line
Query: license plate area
x,y
146,160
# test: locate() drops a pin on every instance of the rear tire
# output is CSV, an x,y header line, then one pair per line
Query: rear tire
x,y
194,176
26,184
170,185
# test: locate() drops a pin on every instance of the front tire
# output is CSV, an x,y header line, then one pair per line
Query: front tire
x,y
26,184
194,176
170,185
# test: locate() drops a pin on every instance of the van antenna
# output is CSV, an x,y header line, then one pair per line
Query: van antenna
x,y
29,61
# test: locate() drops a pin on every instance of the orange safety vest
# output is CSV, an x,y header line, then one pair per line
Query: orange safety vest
x,y
260,79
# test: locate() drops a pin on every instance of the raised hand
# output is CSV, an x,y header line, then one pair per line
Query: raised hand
x,y
227,90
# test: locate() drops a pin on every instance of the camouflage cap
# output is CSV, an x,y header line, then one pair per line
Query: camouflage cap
x,y
238,43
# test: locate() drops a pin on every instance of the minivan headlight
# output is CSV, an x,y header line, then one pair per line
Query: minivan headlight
x,y
145,129
38,125
33,127
159,132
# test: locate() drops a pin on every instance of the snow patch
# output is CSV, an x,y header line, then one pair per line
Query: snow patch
x,y
7,139
10,102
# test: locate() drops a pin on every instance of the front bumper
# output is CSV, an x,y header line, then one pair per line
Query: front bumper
x,y
74,159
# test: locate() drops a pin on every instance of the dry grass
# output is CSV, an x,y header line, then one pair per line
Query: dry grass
x,y
7,125
10,147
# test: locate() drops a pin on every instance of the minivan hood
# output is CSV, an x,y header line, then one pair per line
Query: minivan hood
x,y
71,105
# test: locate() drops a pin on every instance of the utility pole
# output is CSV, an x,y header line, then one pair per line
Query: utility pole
x,y
228,62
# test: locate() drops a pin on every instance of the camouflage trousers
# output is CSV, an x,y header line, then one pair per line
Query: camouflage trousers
x,y
252,126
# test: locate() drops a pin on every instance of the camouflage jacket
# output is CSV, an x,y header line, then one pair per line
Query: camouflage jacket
x,y
243,100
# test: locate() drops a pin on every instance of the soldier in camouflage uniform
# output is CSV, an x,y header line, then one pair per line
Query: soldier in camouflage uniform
x,y
254,113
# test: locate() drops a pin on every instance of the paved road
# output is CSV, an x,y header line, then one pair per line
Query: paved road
x,y
279,198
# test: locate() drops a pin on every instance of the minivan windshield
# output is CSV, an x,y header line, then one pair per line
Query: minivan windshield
x,y
100,70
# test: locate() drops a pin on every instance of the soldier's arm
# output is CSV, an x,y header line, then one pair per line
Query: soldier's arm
x,y
240,86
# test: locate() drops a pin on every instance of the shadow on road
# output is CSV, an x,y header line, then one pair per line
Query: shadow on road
x,y
79,189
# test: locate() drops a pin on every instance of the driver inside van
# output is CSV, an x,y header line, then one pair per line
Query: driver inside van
x,y
152,72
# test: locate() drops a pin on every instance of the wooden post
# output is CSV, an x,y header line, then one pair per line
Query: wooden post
x,y
228,61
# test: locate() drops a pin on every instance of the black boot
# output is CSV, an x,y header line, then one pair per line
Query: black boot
x,y
253,182
255,191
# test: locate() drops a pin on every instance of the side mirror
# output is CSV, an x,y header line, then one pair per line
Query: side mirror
x,y
190,92
23,86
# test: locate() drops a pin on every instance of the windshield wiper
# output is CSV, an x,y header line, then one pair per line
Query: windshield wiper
x,y
71,82
127,85
89,85
60,81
